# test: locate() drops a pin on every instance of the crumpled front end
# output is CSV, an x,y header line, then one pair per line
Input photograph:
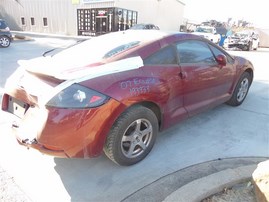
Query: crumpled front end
x,y
237,43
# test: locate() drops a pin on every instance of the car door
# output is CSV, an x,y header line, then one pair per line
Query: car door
x,y
164,68
206,83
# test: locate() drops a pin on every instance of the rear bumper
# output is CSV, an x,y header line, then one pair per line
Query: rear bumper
x,y
35,145
68,133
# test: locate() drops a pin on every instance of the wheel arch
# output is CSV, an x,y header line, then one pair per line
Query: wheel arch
x,y
115,146
250,71
153,107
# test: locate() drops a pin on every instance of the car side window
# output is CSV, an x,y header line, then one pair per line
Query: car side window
x,y
217,52
166,55
192,51
2,25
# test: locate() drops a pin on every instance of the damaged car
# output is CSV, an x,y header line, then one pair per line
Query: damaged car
x,y
244,40
115,92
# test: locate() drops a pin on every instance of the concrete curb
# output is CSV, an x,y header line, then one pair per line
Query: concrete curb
x,y
199,189
211,176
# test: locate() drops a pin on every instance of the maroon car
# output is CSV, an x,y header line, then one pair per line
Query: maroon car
x,y
117,91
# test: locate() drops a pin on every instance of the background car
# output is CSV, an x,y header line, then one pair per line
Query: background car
x,y
208,32
244,40
145,26
86,99
5,35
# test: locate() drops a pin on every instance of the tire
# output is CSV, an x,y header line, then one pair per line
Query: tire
x,y
4,41
132,136
249,47
241,90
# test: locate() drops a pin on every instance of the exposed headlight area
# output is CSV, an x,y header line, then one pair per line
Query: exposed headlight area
x,y
78,97
245,40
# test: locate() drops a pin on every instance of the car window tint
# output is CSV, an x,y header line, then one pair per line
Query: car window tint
x,y
195,52
164,56
2,25
217,52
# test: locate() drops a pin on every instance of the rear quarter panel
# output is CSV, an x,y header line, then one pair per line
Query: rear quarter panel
x,y
130,87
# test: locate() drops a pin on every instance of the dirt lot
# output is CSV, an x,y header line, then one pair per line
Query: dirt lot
x,y
9,191
237,193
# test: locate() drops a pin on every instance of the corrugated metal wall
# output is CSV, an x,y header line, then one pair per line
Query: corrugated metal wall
x,y
61,15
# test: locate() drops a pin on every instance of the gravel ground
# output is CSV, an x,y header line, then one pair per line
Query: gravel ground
x,y
9,191
243,192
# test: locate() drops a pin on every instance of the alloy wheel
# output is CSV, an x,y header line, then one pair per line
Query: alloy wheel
x,y
4,41
136,138
242,92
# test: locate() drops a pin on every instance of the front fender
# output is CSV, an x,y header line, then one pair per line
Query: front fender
x,y
242,65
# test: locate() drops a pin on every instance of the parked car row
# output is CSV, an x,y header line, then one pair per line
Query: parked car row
x,y
5,35
246,40
144,26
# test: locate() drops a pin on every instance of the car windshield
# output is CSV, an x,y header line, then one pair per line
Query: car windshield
x,y
204,30
98,48
241,35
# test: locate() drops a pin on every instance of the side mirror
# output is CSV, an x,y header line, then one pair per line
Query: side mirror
x,y
221,59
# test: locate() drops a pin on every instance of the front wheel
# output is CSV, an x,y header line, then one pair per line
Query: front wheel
x,y
241,90
132,136
4,41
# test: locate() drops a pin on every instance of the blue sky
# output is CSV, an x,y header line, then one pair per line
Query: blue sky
x,y
256,11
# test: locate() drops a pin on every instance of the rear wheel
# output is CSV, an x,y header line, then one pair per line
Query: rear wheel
x,y
4,41
132,136
241,90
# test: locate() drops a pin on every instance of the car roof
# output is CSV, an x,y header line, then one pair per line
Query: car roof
x,y
125,43
136,35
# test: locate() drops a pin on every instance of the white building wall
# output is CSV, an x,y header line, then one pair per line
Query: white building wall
x,y
167,14
58,13
62,14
